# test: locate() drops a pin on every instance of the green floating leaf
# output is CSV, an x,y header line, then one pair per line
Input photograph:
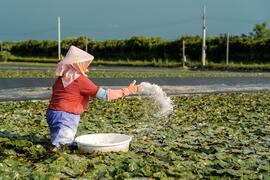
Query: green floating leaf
x,y
211,136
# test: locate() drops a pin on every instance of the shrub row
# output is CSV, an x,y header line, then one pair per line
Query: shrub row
x,y
242,49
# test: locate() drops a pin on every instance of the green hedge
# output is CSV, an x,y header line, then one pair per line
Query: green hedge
x,y
242,49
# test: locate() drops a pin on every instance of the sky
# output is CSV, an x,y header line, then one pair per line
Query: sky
x,y
122,19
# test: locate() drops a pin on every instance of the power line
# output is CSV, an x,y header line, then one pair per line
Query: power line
x,y
236,20
143,26
29,32
117,28
133,27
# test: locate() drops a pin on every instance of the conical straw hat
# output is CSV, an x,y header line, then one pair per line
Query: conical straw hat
x,y
75,54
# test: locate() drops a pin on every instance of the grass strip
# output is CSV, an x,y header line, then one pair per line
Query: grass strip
x,y
104,74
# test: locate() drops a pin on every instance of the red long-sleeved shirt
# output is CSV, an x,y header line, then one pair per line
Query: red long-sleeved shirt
x,y
74,98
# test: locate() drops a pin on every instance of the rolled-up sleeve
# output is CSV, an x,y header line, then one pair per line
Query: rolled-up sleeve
x,y
102,94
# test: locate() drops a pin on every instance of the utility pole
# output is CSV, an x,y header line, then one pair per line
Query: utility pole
x,y
184,53
1,52
203,36
86,44
1,47
227,49
59,39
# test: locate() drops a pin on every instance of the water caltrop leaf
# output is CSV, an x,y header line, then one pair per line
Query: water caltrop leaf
x,y
209,136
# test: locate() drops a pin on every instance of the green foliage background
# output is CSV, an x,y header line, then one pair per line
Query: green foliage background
x,y
243,49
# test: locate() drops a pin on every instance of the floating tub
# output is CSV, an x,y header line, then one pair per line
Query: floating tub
x,y
103,142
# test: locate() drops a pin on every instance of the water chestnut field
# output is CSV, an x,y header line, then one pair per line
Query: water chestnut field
x,y
206,137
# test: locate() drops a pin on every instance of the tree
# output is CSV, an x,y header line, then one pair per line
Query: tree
x,y
260,31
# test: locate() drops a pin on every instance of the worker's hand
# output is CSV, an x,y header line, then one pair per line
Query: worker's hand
x,y
133,88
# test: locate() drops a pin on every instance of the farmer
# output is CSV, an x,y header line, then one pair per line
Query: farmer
x,y
70,95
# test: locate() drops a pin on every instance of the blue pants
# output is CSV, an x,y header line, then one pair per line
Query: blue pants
x,y
63,127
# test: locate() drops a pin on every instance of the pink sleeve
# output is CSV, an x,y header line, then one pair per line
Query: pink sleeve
x,y
116,93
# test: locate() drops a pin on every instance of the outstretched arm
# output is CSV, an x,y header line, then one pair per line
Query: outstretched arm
x,y
111,94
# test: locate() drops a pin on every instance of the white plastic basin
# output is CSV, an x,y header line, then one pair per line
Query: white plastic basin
x,y
103,142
